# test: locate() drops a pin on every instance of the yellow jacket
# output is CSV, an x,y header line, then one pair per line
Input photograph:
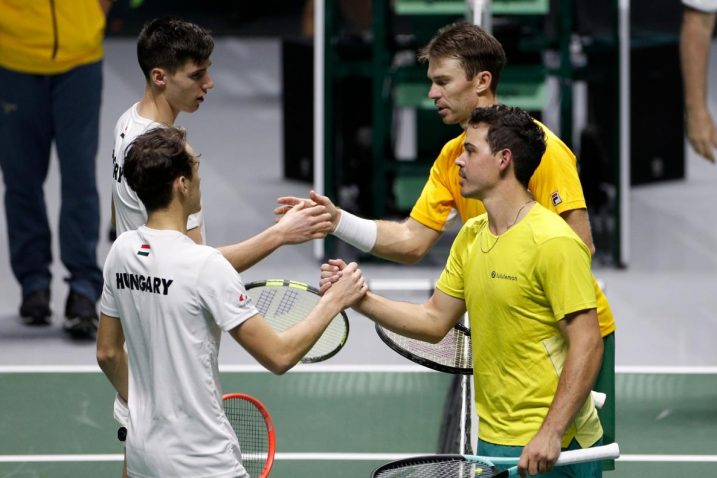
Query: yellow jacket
x,y
50,36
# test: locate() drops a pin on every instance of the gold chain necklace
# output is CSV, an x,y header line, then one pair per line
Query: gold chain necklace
x,y
520,209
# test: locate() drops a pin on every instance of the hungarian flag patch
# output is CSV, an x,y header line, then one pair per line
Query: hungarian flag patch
x,y
143,250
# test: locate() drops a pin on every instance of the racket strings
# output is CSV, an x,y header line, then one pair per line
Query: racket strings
x,y
445,468
454,350
283,307
251,430
264,300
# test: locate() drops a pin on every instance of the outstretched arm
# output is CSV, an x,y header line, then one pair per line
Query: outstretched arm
x,y
429,322
302,222
695,38
404,242
278,352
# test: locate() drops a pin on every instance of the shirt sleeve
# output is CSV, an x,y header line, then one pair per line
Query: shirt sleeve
x,y
222,293
555,183
563,271
436,207
707,6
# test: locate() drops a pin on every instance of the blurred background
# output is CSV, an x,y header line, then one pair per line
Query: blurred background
x,y
604,76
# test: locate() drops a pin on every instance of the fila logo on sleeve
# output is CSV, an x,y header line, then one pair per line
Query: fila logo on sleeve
x,y
555,197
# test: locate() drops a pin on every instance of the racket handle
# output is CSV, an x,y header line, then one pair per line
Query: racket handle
x,y
604,452
599,399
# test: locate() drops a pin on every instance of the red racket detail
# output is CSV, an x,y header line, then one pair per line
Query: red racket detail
x,y
255,430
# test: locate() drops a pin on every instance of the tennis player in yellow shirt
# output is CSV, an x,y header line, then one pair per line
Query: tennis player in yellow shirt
x,y
464,66
524,277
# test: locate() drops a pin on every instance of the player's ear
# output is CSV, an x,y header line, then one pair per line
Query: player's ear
x,y
482,81
181,186
505,158
158,77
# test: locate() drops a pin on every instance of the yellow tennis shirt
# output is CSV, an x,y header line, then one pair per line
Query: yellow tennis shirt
x,y
516,287
555,184
47,38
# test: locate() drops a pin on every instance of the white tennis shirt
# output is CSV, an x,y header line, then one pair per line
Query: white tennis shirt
x,y
130,213
704,5
174,298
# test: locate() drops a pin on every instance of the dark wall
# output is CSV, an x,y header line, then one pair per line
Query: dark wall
x,y
277,18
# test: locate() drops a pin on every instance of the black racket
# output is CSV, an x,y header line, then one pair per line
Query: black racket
x,y
283,303
453,354
471,466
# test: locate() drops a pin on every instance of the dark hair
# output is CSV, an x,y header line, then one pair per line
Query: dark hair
x,y
476,50
512,128
153,161
168,42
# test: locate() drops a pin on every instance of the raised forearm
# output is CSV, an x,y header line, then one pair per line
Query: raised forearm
x,y
298,340
415,321
245,254
405,242
695,38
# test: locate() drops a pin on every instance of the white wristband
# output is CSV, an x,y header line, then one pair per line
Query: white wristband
x,y
360,233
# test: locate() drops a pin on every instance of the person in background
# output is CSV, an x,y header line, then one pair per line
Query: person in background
x,y
50,92
698,21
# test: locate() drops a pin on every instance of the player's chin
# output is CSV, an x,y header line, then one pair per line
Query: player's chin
x,y
447,117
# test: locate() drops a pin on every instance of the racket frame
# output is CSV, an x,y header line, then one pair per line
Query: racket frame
x,y
603,452
307,288
421,360
599,398
268,422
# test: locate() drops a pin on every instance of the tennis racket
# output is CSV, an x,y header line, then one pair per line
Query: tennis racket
x,y
471,466
453,354
255,430
284,303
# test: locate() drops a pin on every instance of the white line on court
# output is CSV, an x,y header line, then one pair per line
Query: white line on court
x,y
322,368
657,369
339,457
301,368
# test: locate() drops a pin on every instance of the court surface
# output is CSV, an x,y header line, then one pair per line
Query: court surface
x,y
367,405
340,421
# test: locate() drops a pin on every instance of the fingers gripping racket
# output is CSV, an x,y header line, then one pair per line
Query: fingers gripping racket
x,y
283,303
255,430
471,466
453,354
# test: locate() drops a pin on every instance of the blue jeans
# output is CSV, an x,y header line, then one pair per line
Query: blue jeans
x,y
591,469
34,111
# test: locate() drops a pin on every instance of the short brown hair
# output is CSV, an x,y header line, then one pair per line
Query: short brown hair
x,y
153,161
476,50
513,128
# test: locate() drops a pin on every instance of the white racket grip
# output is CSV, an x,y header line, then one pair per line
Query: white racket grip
x,y
599,399
604,452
